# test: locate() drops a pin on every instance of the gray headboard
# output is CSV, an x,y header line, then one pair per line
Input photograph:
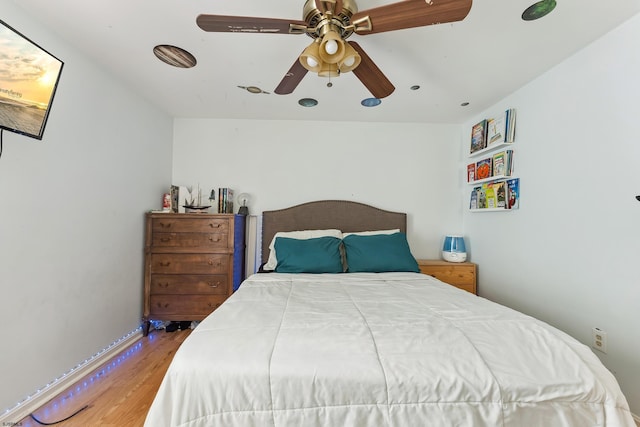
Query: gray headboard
x,y
340,214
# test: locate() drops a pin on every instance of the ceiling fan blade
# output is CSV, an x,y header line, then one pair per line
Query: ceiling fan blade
x,y
290,81
246,24
371,76
413,13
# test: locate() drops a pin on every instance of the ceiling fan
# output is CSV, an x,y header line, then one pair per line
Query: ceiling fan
x,y
330,23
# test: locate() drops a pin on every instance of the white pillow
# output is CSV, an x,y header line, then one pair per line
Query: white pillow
x,y
372,233
300,235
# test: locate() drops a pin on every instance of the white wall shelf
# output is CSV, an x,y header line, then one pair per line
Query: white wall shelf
x,y
490,149
493,193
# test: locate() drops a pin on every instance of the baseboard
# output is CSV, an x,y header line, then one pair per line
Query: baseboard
x,y
41,397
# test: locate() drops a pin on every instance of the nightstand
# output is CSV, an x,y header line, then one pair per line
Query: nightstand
x,y
459,274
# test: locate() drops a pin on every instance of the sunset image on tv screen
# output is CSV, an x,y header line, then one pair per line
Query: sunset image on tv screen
x,y
28,79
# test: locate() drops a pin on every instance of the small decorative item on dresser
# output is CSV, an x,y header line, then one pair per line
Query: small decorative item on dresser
x,y
243,201
454,249
166,202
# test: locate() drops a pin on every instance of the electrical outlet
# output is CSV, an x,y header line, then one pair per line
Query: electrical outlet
x,y
599,340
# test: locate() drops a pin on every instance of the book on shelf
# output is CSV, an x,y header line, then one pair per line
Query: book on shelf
x,y
513,193
496,129
473,204
478,136
484,168
501,129
479,197
500,191
509,163
510,126
499,163
490,196
471,172
225,200
504,194
503,163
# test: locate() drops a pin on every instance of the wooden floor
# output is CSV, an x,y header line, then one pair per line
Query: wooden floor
x,y
118,393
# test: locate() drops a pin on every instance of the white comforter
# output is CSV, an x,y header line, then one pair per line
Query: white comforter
x,y
390,349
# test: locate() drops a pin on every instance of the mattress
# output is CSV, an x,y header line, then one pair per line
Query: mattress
x,y
380,349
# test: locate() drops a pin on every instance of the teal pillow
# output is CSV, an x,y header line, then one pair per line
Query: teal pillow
x,y
317,255
379,253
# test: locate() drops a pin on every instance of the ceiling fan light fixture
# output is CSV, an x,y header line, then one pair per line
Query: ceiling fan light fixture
x,y
329,70
310,57
332,47
331,23
350,60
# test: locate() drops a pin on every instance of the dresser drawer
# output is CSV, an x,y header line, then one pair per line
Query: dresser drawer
x,y
190,306
189,263
190,225
185,284
177,241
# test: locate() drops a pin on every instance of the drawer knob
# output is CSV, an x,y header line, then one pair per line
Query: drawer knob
x,y
214,224
214,239
214,285
165,264
165,239
212,262
166,224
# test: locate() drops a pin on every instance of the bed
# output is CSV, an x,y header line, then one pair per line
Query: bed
x,y
362,348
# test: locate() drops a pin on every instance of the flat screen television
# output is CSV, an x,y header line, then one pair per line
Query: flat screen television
x,y
29,77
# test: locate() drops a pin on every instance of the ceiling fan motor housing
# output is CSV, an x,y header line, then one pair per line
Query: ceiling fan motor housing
x,y
315,18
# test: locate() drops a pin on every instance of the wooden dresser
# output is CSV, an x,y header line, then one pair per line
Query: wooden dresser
x,y
459,274
189,265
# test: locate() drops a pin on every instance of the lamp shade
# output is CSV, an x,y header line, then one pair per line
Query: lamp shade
x,y
454,249
331,48
310,57
350,60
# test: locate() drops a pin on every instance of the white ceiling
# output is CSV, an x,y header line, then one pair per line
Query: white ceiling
x,y
479,60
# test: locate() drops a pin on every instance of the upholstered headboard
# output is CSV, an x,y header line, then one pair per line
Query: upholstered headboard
x,y
340,214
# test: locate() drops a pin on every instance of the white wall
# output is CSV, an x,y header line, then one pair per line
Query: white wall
x,y
398,167
71,220
569,255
